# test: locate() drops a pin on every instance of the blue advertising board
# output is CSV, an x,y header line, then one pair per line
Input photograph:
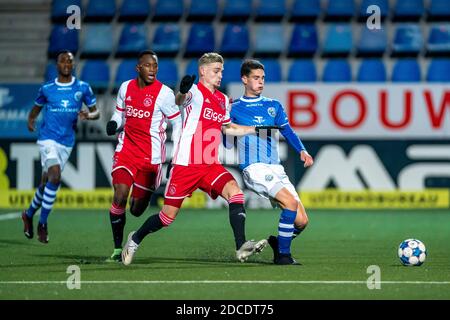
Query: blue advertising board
x,y
16,101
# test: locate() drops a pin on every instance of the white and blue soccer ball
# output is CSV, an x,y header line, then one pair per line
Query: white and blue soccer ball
x,y
412,252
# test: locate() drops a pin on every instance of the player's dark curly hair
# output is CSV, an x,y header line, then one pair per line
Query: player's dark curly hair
x,y
250,64
62,52
145,52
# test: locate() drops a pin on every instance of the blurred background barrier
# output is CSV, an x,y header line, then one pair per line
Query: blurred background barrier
x,y
372,105
395,173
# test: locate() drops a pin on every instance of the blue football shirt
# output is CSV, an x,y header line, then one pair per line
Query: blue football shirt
x,y
258,111
61,103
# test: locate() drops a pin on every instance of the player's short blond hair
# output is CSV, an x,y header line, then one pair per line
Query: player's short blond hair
x,y
210,57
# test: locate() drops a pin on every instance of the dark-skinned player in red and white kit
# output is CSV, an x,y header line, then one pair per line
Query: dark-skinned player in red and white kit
x,y
196,164
143,107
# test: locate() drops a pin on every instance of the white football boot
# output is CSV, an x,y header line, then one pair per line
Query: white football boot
x,y
129,249
249,248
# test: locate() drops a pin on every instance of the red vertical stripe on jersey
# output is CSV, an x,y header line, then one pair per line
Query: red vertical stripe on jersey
x,y
162,139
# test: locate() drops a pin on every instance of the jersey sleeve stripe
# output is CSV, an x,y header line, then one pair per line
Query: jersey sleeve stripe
x,y
120,109
174,115
285,124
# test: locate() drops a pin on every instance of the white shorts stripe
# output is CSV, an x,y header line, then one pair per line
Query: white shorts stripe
x,y
142,187
176,197
218,178
122,167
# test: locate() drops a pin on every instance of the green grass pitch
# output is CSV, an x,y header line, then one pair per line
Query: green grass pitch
x,y
194,258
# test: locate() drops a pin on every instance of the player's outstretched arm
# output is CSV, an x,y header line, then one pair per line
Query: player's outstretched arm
x,y
294,141
260,128
34,113
92,114
234,129
185,85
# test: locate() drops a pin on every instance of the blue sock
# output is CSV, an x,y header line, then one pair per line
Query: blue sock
x,y
36,202
286,230
48,200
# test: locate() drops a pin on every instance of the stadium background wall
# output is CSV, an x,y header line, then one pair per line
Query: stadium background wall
x,y
347,174
359,161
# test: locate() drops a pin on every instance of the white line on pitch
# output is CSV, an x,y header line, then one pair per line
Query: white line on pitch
x,y
14,215
227,282
10,216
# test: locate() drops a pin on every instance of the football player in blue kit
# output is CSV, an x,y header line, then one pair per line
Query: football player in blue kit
x,y
62,100
260,162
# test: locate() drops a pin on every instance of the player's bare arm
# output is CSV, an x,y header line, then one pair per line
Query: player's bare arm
x,y
92,114
233,129
34,113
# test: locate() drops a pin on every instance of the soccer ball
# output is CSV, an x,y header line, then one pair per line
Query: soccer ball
x,y
412,252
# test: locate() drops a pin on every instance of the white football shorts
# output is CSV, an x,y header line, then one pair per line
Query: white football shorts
x,y
53,153
268,179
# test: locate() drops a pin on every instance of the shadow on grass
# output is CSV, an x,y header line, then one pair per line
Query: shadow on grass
x,y
399,266
175,263
65,260
76,258
39,265
24,242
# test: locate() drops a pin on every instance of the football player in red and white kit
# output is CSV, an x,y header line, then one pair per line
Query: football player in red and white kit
x,y
143,106
196,164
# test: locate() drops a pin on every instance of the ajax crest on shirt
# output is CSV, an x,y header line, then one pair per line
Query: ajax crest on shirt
x,y
147,102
